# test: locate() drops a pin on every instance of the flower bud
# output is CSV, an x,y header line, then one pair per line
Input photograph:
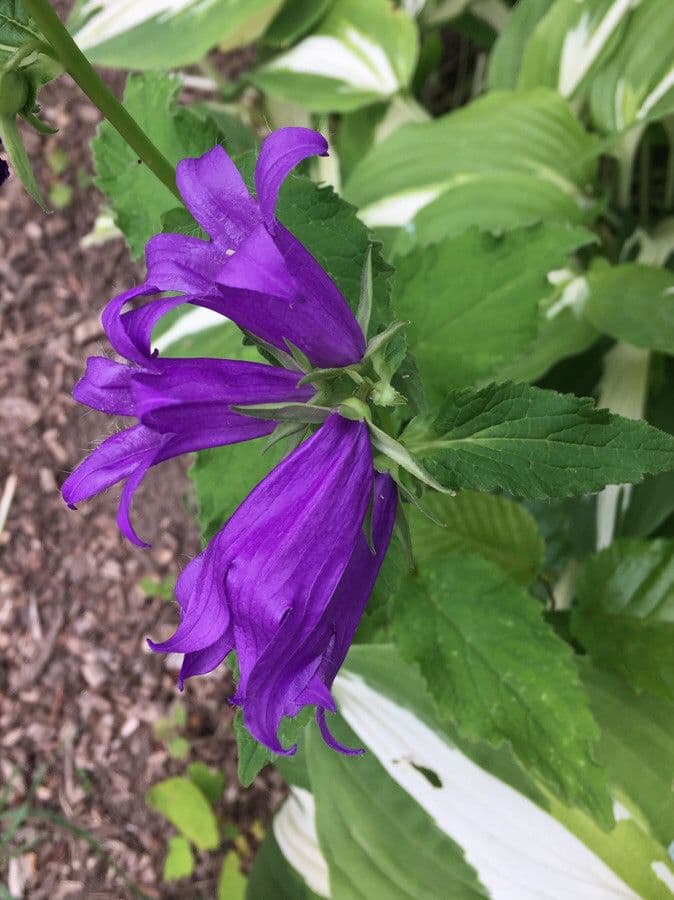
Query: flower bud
x,y
14,90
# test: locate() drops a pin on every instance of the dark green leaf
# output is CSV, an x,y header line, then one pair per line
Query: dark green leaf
x,y
534,443
183,804
210,782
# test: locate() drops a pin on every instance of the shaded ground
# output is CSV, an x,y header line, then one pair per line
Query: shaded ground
x,y
78,690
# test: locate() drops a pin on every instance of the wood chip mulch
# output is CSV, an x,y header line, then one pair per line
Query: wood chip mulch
x,y
79,692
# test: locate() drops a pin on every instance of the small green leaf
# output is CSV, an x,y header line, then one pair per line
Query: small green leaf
x,y
231,883
210,782
498,529
534,443
179,862
494,666
253,756
183,804
152,587
18,158
625,612
178,747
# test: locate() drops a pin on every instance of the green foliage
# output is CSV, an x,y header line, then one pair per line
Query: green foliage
x,y
231,883
181,802
494,527
625,612
356,796
534,443
358,54
179,862
507,159
162,36
494,666
633,303
482,298
253,756
294,19
210,782
138,200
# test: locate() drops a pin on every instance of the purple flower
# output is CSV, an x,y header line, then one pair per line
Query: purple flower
x,y
285,582
252,269
180,405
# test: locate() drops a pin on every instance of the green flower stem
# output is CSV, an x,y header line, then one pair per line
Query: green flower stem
x,y
80,69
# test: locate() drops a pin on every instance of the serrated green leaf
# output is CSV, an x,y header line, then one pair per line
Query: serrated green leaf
x,y
495,667
231,883
358,54
625,612
497,529
166,34
179,862
507,159
474,300
376,840
637,83
633,303
16,28
183,804
138,199
210,782
534,443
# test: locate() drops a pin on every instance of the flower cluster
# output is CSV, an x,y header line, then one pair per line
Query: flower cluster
x,y
286,580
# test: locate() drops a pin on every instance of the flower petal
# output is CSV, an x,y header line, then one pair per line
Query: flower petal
x,y
106,385
280,153
176,262
203,661
258,266
217,197
187,391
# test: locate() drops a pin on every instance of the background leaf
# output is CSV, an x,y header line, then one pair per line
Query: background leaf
x,y
179,861
231,883
166,34
358,54
625,612
507,159
183,804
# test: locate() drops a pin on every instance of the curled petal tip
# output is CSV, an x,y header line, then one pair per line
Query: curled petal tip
x,y
331,741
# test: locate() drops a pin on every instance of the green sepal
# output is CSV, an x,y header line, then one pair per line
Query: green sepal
x,y
366,293
37,124
18,158
402,457
286,412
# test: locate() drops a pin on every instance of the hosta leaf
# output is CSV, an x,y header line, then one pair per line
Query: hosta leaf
x,y
633,303
294,19
399,852
138,198
571,41
507,159
506,57
637,83
183,804
179,862
167,33
498,529
481,798
474,300
534,443
637,749
273,875
495,667
625,612
358,54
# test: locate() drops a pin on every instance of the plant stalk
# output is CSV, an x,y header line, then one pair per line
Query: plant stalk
x,y
80,69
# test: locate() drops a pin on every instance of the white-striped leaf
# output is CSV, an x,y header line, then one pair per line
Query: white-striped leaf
x,y
358,54
507,159
162,34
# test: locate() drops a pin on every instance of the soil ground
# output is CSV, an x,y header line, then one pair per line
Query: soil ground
x,y
79,692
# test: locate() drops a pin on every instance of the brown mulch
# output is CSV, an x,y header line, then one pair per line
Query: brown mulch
x,y
79,692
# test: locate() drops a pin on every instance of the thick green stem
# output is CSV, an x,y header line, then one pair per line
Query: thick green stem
x,y
77,65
